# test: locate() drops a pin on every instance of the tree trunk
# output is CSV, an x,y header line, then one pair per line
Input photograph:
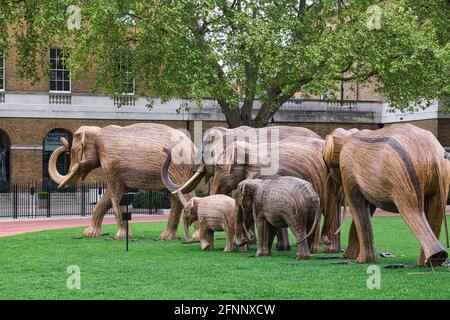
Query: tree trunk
x,y
232,116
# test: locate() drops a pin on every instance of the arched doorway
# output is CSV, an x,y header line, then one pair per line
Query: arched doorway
x,y
5,145
52,142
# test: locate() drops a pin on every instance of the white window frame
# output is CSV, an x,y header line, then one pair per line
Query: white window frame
x,y
2,56
49,80
134,85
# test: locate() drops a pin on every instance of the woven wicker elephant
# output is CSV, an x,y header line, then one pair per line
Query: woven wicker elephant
x,y
130,156
280,203
241,160
217,139
214,213
400,168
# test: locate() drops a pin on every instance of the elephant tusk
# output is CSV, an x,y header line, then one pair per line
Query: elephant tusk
x,y
189,182
342,220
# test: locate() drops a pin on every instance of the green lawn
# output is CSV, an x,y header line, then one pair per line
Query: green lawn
x,y
33,266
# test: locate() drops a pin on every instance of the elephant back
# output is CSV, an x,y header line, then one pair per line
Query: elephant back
x,y
333,146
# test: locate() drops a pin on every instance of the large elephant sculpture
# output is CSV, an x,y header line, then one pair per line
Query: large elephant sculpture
x,y
302,159
130,156
217,139
400,168
278,203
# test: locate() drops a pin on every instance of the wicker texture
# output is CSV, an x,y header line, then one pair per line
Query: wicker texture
x,y
280,203
400,168
130,156
214,213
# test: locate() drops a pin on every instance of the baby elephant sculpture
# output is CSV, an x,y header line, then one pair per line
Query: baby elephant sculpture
x,y
214,213
279,203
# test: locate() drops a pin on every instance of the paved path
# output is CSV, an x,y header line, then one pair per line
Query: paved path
x,y
13,227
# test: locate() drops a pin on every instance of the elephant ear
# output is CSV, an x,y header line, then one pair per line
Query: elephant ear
x,y
228,156
83,144
333,146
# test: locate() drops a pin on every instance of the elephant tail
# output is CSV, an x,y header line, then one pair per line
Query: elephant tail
x,y
317,217
443,181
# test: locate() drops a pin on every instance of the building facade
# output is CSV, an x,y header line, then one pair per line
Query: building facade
x,y
34,116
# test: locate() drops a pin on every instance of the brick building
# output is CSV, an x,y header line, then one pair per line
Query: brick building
x,y
33,116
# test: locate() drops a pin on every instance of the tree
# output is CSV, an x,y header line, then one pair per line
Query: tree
x,y
236,51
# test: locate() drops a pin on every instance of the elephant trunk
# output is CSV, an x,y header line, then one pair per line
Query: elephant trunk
x,y
172,186
62,180
186,224
242,234
332,214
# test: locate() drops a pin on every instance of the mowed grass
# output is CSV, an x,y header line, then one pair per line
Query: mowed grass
x,y
34,266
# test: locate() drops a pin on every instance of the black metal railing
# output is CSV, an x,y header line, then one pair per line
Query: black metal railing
x,y
29,200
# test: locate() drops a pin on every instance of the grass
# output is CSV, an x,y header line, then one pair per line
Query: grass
x,y
34,266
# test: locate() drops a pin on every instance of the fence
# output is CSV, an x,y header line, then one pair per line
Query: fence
x,y
28,200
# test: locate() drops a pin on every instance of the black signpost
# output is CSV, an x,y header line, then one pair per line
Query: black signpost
x,y
126,216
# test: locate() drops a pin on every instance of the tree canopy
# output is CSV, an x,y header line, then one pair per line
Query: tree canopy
x,y
236,51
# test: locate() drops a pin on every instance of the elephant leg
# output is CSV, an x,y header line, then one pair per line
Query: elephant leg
x,y
302,248
229,230
95,228
314,245
174,219
252,232
433,252
208,240
264,235
360,209
352,250
334,239
283,243
205,236
271,236
435,214
116,191
196,235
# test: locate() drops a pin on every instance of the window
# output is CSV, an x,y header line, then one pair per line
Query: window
x,y
126,78
59,74
2,72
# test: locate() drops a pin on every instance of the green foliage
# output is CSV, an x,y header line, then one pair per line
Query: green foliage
x,y
42,195
269,49
151,199
171,270
201,193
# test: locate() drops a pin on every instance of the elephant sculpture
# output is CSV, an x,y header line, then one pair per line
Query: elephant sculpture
x,y
400,168
217,139
279,203
130,156
214,213
302,159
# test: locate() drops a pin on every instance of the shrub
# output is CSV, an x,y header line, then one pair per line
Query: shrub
x,y
201,193
151,199
43,195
